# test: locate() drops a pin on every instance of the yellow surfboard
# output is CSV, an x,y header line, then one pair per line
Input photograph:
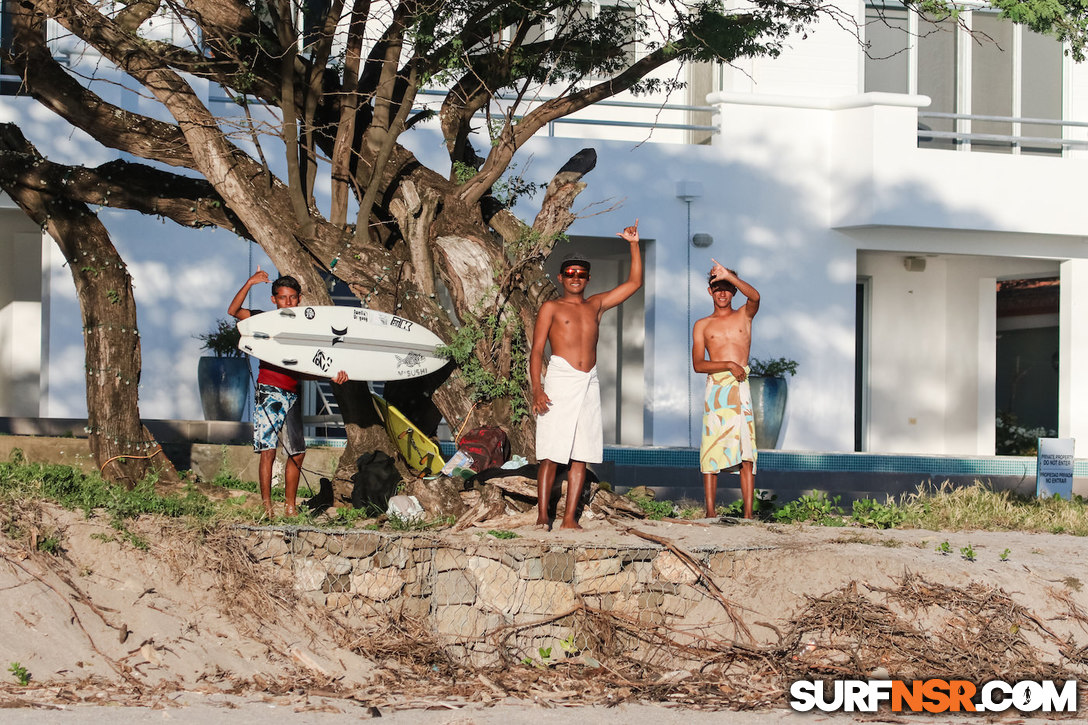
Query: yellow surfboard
x,y
420,452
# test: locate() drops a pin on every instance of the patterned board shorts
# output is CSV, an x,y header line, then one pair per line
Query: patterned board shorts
x,y
273,408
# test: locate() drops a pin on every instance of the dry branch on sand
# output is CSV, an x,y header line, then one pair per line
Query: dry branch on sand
x,y
218,596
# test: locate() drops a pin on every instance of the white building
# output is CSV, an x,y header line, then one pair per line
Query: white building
x,y
877,204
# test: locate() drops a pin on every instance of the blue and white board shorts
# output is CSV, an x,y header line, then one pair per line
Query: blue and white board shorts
x,y
275,409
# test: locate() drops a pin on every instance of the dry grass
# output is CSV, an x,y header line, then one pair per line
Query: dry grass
x,y
947,508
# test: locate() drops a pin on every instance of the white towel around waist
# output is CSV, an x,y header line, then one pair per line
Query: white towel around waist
x,y
571,429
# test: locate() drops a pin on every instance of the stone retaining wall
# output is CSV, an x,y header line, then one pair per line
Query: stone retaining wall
x,y
495,600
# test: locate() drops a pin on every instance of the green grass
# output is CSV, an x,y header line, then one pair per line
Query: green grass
x,y
941,508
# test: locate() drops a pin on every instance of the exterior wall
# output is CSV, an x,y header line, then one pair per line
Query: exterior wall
x,y
932,350
21,350
807,186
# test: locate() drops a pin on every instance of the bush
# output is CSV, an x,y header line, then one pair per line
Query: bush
x,y
772,368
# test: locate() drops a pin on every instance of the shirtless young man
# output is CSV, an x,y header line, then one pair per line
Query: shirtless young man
x,y
720,347
568,403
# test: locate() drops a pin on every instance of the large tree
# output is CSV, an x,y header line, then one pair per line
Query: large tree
x,y
328,88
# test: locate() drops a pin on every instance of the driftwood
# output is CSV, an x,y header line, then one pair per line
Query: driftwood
x,y
439,497
517,495
491,504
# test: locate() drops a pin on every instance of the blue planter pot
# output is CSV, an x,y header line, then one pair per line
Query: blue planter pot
x,y
768,408
224,386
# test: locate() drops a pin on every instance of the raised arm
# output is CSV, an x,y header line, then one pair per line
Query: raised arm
x,y
634,279
751,306
235,308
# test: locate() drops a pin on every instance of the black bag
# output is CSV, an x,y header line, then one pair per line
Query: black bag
x,y
323,501
375,482
488,447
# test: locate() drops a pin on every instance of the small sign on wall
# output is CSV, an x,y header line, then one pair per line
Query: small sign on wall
x,y
1054,468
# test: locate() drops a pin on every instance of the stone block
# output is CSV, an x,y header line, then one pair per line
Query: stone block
x,y
300,547
309,575
624,581
419,588
447,559
590,568
414,607
670,568
531,568
377,584
461,621
317,538
337,583
649,601
393,554
268,547
595,553
547,597
498,586
720,563
558,566
644,571
357,546
336,564
632,555
676,605
454,587
419,570
338,600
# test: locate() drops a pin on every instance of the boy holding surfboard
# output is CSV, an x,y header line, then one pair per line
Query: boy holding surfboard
x,y
568,401
276,400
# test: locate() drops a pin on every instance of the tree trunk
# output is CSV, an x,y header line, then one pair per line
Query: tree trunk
x,y
122,447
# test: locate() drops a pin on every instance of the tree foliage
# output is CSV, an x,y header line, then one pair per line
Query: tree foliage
x,y
322,93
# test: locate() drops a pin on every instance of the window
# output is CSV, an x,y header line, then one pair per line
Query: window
x,y
983,73
10,83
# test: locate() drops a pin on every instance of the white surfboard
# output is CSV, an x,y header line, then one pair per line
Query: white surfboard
x,y
321,340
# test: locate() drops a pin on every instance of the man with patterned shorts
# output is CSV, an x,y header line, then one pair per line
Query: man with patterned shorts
x,y
720,346
276,402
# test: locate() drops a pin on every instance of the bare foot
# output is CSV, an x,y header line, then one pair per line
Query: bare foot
x,y
268,512
572,525
711,514
544,525
292,509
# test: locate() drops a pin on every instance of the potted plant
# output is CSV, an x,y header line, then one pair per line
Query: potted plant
x,y
767,380
223,377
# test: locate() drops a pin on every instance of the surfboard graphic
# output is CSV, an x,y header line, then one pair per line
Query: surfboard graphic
x,y
321,340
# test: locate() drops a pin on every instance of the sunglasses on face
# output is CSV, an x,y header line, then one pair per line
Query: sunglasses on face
x,y
576,274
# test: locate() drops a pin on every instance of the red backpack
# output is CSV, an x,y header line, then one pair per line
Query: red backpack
x,y
488,447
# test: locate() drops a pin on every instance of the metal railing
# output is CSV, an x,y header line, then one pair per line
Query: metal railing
x,y
1014,141
642,105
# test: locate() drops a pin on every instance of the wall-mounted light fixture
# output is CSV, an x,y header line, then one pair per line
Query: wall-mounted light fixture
x,y
702,240
914,264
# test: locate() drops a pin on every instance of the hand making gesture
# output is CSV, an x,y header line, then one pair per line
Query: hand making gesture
x,y
630,234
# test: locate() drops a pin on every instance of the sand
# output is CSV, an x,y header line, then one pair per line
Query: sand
x,y
171,633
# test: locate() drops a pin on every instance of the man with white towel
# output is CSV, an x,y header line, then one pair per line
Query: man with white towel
x,y
567,401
